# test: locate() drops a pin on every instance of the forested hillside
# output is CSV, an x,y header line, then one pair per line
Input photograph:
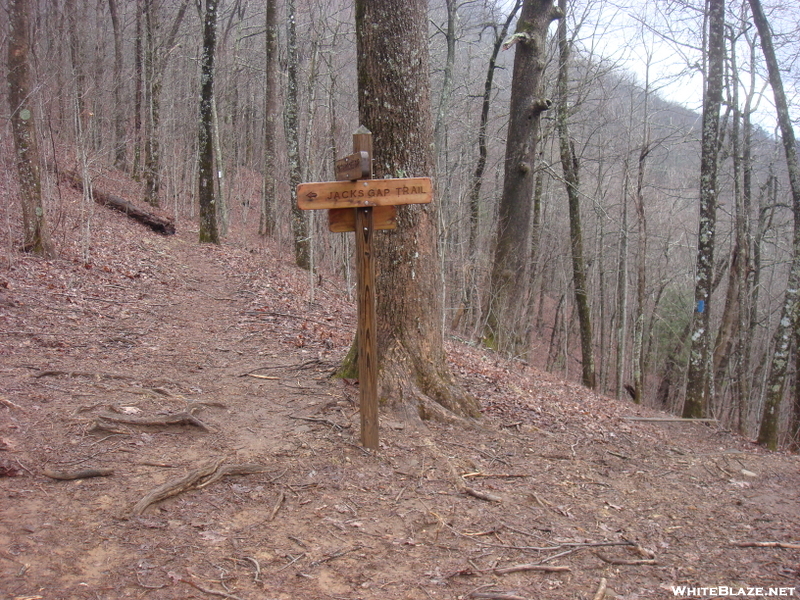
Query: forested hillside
x,y
114,91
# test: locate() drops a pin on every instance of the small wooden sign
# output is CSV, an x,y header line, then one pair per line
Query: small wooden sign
x,y
365,193
353,167
342,220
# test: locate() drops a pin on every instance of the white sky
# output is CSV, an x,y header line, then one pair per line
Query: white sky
x,y
672,39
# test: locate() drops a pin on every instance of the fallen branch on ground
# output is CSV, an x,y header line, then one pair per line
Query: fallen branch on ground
x,y
81,374
157,223
196,479
496,596
531,567
668,420
82,474
785,545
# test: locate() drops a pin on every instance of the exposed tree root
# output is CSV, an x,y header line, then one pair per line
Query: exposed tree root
x,y
195,479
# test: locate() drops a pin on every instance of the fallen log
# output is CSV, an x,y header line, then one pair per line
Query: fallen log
x,y
157,223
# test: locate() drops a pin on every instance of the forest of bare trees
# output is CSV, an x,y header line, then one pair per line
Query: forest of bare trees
x,y
604,225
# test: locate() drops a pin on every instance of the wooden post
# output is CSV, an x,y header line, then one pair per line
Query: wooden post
x,y
356,202
367,338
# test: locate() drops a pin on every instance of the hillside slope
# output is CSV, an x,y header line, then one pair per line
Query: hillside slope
x,y
226,342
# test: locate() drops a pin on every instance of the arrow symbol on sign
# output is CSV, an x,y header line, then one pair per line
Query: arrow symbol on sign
x,y
311,195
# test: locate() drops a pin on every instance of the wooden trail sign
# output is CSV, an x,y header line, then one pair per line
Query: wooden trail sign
x,y
356,202
364,193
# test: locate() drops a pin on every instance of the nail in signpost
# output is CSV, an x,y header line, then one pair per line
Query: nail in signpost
x,y
356,202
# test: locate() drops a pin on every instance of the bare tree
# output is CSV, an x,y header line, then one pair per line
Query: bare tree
x,y
699,378
209,230
505,325
267,222
470,296
120,144
768,431
291,120
34,222
570,169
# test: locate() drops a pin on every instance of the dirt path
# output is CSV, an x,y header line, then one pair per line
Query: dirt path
x,y
555,479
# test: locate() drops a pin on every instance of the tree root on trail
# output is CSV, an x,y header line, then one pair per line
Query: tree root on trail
x,y
185,417
195,479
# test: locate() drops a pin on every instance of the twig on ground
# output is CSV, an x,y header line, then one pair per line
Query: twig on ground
x,y
335,555
276,508
327,422
601,589
625,561
254,562
481,495
10,404
208,591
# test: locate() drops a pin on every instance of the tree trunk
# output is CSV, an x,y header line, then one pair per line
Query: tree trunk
x,y
36,231
622,290
447,80
727,344
138,95
156,53
471,287
768,431
391,42
699,378
505,307
569,165
268,219
119,110
151,100
291,123
209,231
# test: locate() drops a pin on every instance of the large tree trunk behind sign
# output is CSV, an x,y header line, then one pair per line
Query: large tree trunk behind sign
x,y
394,103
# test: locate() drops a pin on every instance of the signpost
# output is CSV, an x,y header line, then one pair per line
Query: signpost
x,y
356,202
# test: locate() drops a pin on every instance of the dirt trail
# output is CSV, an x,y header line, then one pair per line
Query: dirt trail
x,y
555,478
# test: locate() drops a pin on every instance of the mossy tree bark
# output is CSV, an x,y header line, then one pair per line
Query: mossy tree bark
x,y
394,104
